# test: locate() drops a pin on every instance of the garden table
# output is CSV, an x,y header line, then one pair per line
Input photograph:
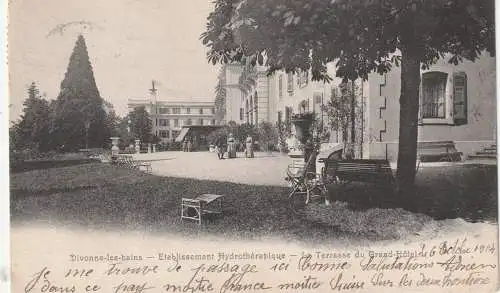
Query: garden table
x,y
195,208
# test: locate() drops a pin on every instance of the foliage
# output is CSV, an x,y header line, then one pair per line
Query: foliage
x,y
79,115
341,115
283,133
218,135
140,124
360,37
242,131
113,123
320,131
268,136
32,130
303,34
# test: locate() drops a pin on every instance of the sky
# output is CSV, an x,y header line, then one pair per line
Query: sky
x,y
130,43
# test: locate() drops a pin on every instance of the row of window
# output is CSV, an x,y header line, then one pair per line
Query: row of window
x,y
302,81
435,88
249,116
166,133
166,122
177,110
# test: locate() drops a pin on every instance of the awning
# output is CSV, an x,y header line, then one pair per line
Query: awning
x,y
182,134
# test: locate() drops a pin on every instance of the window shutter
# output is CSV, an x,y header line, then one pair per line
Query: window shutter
x,y
290,83
460,98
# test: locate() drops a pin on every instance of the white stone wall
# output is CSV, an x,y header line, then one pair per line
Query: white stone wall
x,y
383,110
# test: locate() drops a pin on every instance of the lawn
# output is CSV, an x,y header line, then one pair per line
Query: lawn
x,y
101,196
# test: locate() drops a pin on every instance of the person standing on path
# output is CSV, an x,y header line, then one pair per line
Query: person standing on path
x,y
220,148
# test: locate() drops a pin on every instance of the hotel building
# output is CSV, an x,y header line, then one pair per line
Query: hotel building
x,y
171,115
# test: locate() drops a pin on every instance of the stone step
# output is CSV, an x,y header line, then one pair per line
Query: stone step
x,y
485,152
437,144
482,156
494,149
446,157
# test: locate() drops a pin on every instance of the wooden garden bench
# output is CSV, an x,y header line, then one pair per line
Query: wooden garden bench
x,y
359,170
129,162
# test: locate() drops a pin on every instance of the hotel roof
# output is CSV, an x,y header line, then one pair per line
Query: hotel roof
x,y
174,101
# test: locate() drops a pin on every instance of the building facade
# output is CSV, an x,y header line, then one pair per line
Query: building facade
x,y
457,104
170,115
273,98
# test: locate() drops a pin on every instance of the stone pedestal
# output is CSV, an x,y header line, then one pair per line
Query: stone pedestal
x,y
231,149
249,147
149,148
137,146
296,156
154,148
114,149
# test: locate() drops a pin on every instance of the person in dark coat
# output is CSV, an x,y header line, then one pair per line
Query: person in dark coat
x,y
220,147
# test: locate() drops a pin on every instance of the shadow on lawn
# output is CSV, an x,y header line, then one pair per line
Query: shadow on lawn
x,y
47,164
467,191
24,193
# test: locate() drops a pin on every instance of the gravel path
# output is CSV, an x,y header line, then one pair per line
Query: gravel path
x,y
264,169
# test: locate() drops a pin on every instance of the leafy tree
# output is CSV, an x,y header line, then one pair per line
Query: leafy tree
x,y
361,37
113,121
33,127
79,115
140,124
344,114
219,134
242,131
268,135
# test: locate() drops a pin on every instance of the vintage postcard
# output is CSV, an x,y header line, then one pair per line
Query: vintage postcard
x,y
252,146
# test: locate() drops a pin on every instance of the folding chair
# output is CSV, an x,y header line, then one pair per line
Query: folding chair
x,y
303,182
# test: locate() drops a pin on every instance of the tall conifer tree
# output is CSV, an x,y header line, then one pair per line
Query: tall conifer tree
x,y
79,118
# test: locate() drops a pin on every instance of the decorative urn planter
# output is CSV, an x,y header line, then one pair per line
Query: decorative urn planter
x,y
231,147
302,123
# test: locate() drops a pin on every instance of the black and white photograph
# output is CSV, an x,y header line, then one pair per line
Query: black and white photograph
x,y
225,146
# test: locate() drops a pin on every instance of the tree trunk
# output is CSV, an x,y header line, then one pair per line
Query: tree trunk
x,y
353,120
408,119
